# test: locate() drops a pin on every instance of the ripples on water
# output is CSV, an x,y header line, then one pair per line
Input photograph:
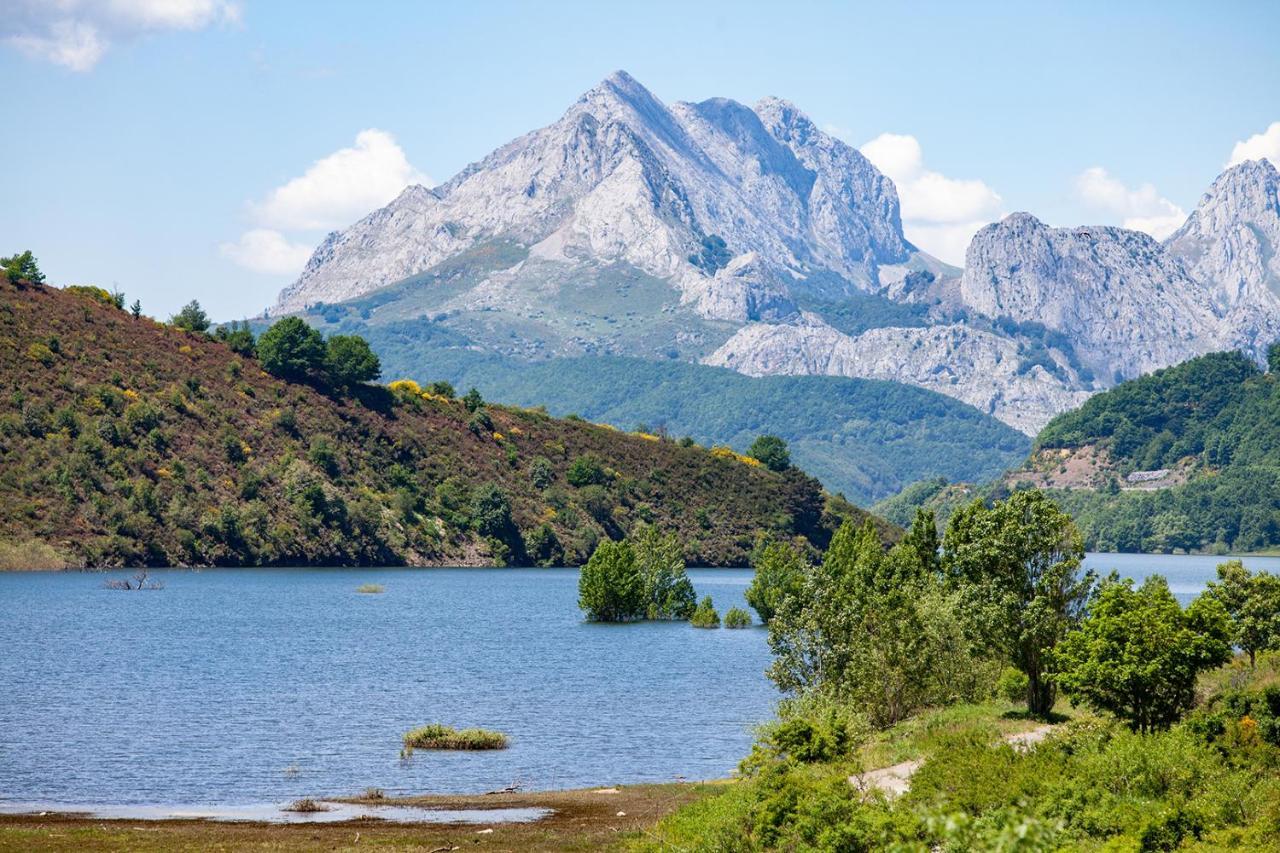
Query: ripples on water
x,y
242,686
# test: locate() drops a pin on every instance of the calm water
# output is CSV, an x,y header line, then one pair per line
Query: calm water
x,y
259,686
248,686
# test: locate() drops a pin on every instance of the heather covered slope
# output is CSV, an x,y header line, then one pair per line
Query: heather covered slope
x,y
124,442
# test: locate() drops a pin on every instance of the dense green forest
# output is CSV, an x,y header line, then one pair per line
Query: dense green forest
x,y
863,438
1215,419
126,441
981,691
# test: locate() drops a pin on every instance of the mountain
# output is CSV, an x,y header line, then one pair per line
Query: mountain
x,y
129,442
1231,243
746,237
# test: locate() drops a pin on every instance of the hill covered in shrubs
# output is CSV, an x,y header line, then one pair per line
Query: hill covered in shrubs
x,y
124,441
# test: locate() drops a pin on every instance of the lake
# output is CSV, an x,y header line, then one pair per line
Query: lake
x,y
250,686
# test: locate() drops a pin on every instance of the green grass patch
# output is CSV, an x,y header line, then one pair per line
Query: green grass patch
x,y
437,736
371,588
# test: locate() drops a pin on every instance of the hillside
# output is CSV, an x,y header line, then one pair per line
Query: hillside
x,y
1184,459
125,442
862,438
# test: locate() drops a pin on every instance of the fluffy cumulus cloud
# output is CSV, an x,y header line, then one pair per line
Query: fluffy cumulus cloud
x,y
267,251
333,192
939,214
341,187
1265,144
77,33
1141,208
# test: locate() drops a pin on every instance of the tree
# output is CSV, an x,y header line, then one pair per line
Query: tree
x,y
705,615
136,308
852,629
491,512
922,539
585,471
779,569
238,337
22,267
1138,653
473,400
350,361
1017,565
1273,356
772,452
668,592
1252,602
191,318
291,349
610,588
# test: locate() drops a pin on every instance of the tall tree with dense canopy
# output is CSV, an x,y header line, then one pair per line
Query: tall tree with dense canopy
x,y
772,452
1017,564
610,587
350,361
1138,653
779,570
1252,602
291,349
668,592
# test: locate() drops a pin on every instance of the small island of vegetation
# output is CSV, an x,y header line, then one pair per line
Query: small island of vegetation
x,y
437,736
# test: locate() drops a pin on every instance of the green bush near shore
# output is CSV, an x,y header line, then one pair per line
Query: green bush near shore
x,y
736,617
437,736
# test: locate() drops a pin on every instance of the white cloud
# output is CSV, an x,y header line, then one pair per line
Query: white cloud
x,y
341,187
332,193
1265,144
264,250
1141,209
939,214
77,33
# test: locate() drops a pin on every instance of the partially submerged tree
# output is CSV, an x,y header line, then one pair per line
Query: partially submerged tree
x,y
610,588
668,592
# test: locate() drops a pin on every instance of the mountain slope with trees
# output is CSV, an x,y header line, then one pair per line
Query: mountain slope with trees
x,y
124,442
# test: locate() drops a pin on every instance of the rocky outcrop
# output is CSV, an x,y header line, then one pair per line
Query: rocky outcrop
x,y
1126,305
980,368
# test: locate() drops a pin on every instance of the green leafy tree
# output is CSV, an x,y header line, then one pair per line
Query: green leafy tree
x,y
922,539
442,389
541,473
491,512
237,336
473,400
853,630
22,267
1138,653
779,570
291,349
1252,601
136,308
350,361
771,451
610,587
668,592
1273,358
1017,564
544,547
191,318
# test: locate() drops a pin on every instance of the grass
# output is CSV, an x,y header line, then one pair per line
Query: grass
x,y
437,736
371,588
30,554
306,805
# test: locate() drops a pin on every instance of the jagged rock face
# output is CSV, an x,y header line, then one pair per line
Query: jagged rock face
x,y
1126,304
623,178
1231,243
980,368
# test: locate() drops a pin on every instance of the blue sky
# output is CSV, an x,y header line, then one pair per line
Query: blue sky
x,y
145,140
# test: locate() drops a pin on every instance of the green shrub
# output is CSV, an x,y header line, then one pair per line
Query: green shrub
x,y
736,617
191,318
610,586
586,470
541,472
370,588
705,615
437,736
1012,684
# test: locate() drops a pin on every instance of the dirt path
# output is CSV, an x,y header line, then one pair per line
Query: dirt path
x,y
895,779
